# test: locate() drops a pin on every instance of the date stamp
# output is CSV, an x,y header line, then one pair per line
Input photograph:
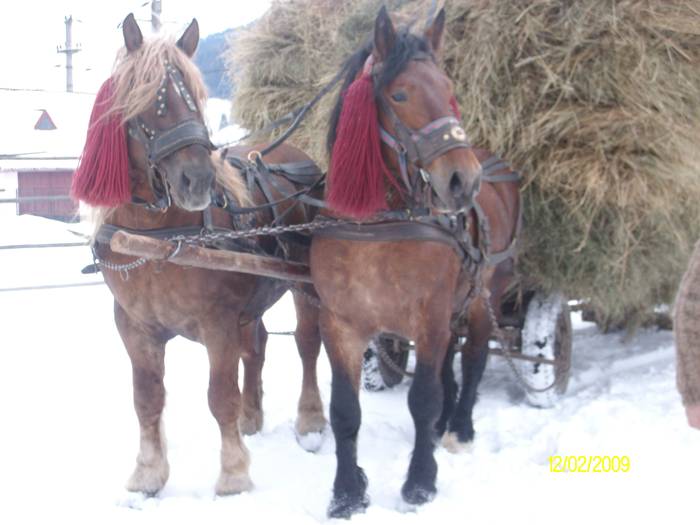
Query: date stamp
x,y
601,464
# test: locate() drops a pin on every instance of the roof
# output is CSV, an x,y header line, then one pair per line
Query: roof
x,y
41,149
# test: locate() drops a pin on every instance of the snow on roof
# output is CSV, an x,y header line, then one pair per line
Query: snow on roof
x,y
42,149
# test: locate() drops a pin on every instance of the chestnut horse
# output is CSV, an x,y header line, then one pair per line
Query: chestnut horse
x,y
400,163
148,163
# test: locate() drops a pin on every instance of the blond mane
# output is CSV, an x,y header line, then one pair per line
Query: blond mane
x,y
138,74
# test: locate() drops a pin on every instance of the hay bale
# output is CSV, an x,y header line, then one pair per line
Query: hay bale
x,y
290,54
597,102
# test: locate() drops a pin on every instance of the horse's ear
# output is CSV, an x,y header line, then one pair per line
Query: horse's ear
x,y
434,32
190,38
132,33
384,35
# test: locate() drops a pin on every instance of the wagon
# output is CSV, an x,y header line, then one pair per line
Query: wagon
x,y
535,334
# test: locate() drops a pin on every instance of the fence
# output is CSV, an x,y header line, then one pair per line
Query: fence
x,y
4,248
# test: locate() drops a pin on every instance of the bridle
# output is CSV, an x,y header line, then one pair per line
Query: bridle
x,y
416,149
159,144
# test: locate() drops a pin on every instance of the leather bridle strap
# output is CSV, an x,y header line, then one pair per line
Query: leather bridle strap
x,y
421,146
186,133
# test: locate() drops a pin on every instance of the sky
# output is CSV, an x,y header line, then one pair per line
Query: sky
x,y
30,33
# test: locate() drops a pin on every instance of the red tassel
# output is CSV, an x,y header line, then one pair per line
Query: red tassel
x,y
102,178
356,176
455,108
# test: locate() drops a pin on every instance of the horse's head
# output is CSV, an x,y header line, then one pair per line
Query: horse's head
x,y
162,96
417,111
147,131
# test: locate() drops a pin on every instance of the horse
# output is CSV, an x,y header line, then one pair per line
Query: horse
x,y
149,167
407,256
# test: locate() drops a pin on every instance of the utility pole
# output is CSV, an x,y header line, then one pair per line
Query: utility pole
x,y
69,51
156,11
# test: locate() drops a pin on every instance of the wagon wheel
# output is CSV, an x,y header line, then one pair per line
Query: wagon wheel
x,y
384,363
547,334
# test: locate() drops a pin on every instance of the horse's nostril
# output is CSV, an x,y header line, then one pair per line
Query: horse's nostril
x,y
456,186
186,181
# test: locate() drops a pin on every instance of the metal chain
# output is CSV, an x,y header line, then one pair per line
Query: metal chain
x,y
386,358
123,269
209,237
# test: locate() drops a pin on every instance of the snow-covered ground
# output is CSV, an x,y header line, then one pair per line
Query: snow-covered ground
x,y
68,433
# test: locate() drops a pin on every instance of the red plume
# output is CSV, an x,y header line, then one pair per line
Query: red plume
x,y
356,175
102,178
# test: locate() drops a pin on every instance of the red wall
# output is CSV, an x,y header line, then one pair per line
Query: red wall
x,y
42,184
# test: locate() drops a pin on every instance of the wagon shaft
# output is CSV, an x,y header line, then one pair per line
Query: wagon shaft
x,y
517,355
188,255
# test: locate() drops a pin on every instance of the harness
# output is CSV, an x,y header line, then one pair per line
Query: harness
x,y
304,175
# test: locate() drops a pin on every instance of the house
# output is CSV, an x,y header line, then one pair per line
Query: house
x,y
41,137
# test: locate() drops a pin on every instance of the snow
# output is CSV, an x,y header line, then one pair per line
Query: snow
x,y
69,435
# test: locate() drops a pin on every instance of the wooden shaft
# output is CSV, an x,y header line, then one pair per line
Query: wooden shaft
x,y
188,255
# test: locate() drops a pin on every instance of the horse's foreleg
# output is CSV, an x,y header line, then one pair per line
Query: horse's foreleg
x,y
474,356
310,418
225,404
425,402
147,352
254,341
345,347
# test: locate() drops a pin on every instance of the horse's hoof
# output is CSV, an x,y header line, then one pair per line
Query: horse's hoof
x,y
452,444
417,495
250,424
312,441
310,423
229,484
148,479
345,506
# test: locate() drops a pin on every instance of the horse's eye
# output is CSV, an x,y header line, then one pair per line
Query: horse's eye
x,y
399,96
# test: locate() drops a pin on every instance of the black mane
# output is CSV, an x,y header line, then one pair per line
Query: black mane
x,y
406,47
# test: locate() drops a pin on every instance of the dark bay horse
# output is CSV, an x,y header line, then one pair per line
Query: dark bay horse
x,y
149,165
395,144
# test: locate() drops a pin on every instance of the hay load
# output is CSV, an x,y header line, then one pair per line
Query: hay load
x,y
598,103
